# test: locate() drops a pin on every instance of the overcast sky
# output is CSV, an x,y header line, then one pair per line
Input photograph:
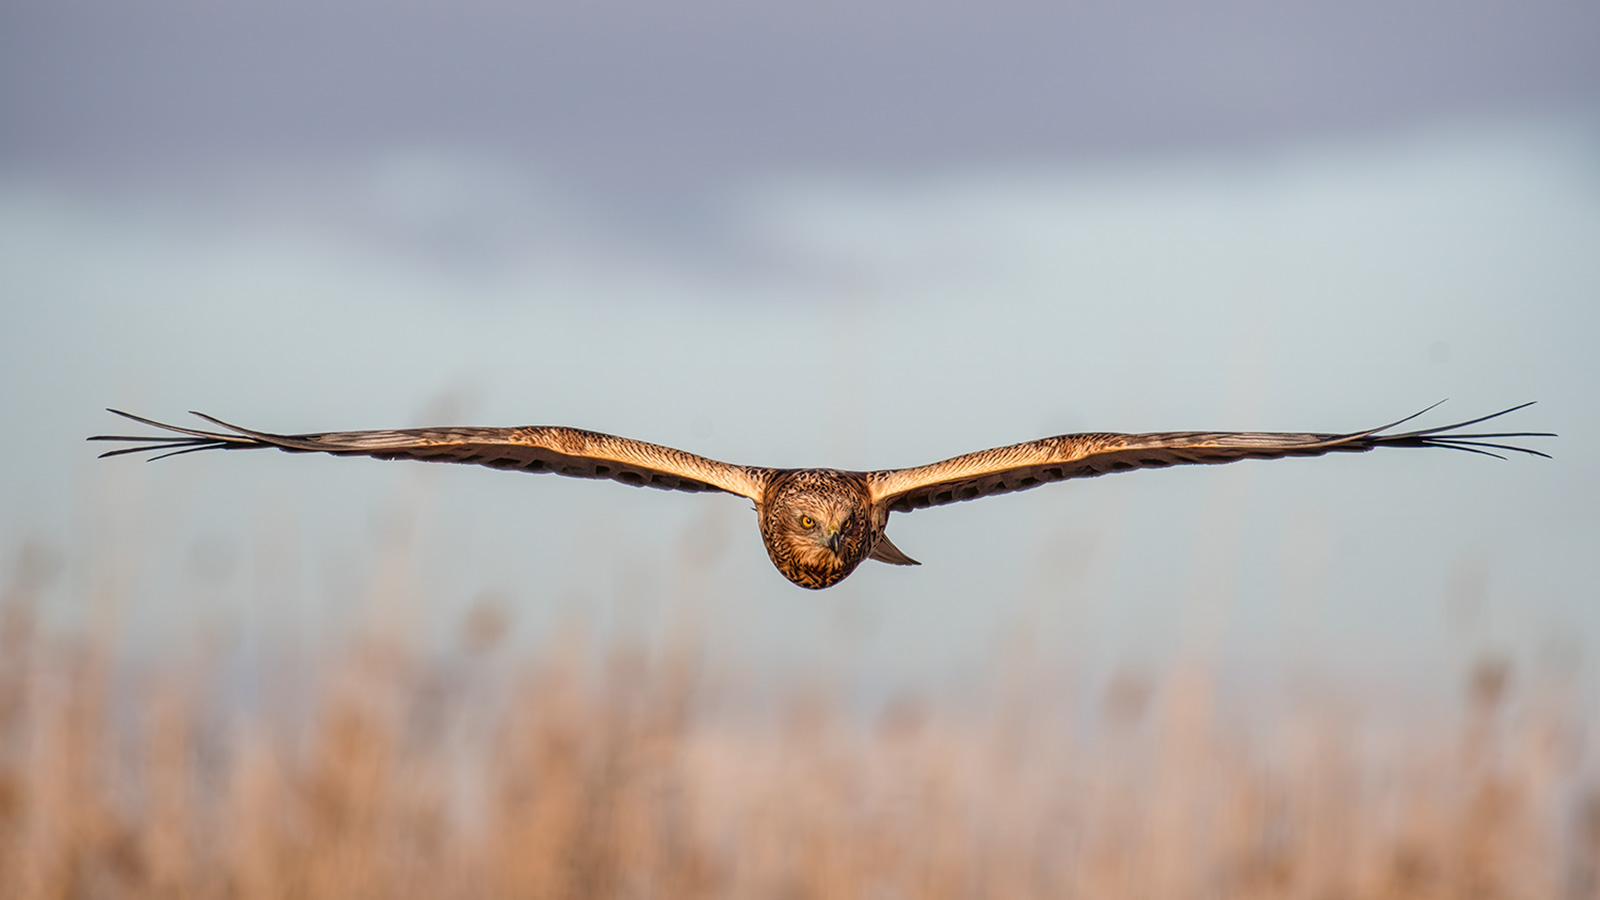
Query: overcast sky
x,y
699,90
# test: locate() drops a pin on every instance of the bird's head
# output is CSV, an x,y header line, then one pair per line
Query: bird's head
x,y
817,529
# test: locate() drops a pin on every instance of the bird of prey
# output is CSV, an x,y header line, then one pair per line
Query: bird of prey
x,y
819,524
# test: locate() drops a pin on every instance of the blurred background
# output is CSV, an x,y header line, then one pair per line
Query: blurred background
x,y
861,235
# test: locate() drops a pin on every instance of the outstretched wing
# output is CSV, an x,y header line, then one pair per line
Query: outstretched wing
x,y
1022,466
536,448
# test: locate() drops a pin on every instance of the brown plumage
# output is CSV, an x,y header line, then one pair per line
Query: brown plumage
x,y
819,524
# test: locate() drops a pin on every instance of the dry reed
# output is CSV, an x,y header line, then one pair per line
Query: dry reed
x,y
582,769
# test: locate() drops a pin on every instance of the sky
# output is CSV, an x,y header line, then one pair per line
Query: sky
x,y
859,235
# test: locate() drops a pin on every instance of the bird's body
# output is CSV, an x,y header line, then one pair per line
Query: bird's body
x,y
818,524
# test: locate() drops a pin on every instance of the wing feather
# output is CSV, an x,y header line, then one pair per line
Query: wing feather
x,y
535,448
1033,463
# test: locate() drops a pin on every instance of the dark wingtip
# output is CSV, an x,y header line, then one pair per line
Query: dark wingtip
x,y
178,440
1452,437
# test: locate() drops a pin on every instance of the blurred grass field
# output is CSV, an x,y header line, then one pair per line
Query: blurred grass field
x,y
585,765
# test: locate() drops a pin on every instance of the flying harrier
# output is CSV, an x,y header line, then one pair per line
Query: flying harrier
x,y
819,524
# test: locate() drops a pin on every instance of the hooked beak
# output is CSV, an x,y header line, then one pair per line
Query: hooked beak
x,y
833,540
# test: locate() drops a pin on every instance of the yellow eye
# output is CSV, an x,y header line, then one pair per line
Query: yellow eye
x,y
807,522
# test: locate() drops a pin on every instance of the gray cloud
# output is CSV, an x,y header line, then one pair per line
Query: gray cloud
x,y
626,90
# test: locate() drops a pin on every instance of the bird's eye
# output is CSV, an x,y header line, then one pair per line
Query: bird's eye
x,y
807,522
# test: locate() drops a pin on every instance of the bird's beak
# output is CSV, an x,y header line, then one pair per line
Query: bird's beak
x,y
833,540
